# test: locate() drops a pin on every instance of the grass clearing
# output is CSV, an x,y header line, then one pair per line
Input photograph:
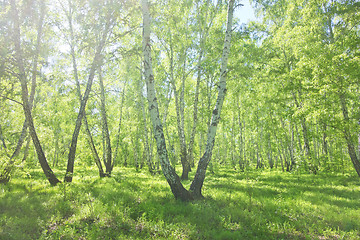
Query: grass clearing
x,y
137,205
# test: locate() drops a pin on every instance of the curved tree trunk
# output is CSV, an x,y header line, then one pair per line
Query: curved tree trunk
x,y
78,90
108,153
179,117
203,35
146,132
347,135
199,178
6,174
26,105
172,178
94,65
117,144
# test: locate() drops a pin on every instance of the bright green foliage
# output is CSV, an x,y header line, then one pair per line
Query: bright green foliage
x,y
280,167
288,76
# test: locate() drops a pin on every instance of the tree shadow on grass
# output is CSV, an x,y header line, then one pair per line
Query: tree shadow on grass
x,y
24,212
137,205
156,209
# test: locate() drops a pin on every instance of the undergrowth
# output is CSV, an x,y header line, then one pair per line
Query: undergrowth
x,y
136,205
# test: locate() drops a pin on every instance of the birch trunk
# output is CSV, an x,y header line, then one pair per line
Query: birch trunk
x,y
203,35
179,117
56,149
108,152
146,132
306,137
119,125
199,178
325,145
94,66
78,90
2,138
348,137
172,178
304,128
25,99
6,174
27,147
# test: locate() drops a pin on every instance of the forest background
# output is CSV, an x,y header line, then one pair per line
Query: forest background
x,y
292,94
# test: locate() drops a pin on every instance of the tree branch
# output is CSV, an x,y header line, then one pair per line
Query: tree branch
x,y
11,99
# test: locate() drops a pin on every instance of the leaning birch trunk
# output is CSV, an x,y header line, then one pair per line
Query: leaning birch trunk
x,y
203,37
108,152
117,144
2,138
179,100
78,91
71,156
172,178
26,105
146,132
90,138
95,64
6,174
199,178
180,126
186,168
347,135
87,129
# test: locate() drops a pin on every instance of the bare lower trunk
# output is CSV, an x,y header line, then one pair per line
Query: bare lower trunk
x,y
5,175
27,147
172,178
352,154
325,145
347,135
26,104
56,150
146,132
95,64
119,126
2,138
78,90
108,152
93,148
306,137
179,119
199,178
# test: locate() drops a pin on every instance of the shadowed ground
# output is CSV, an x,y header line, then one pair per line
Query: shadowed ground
x,y
136,205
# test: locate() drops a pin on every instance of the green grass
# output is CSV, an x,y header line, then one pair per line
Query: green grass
x,y
136,205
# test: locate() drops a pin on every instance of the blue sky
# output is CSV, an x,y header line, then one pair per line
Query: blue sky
x,y
245,13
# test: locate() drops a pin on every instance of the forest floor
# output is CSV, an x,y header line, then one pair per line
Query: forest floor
x,y
136,205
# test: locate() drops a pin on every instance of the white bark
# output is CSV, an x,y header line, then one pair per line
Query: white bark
x,y
196,185
172,178
151,95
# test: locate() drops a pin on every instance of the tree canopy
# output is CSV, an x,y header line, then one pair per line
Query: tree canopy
x,y
74,79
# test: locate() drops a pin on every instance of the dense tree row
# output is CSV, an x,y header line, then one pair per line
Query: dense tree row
x,y
76,88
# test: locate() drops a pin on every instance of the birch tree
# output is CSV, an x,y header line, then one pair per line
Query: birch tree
x,y
172,178
25,98
6,173
95,64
